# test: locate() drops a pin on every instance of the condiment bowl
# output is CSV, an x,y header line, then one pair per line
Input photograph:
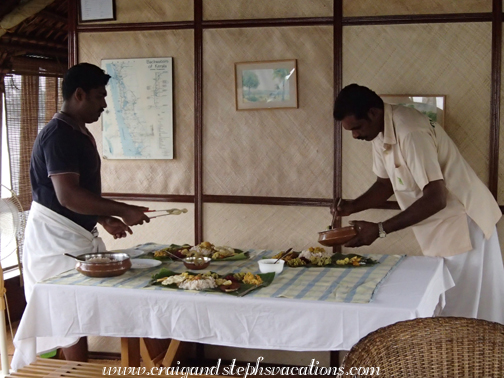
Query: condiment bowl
x,y
196,264
271,265
336,236
103,264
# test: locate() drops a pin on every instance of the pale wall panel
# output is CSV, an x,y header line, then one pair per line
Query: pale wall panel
x,y
171,229
132,11
151,176
449,59
264,227
356,8
246,9
277,152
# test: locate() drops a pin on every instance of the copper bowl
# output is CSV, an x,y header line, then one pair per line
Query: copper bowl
x,y
336,236
105,264
192,263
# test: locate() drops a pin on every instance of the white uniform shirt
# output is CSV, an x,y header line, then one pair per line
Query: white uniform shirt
x,y
413,151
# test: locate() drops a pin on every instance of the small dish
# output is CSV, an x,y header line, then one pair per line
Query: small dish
x,y
337,236
144,263
131,252
195,263
103,264
271,265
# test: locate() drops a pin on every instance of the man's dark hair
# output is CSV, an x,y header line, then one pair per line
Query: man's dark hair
x,y
83,75
356,100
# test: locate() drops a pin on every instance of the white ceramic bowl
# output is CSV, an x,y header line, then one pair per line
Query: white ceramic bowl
x,y
269,265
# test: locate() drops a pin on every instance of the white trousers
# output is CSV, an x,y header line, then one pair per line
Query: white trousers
x,y
479,279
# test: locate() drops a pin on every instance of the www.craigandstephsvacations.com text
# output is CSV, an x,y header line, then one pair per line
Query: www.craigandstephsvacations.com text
x,y
242,371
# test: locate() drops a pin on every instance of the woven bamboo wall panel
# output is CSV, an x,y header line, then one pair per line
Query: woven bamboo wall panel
x,y
277,152
151,176
246,9
264,227
398,243
128,11
449,59
176,229
359,8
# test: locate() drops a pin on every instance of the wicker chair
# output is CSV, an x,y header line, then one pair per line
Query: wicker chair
x,y
445,347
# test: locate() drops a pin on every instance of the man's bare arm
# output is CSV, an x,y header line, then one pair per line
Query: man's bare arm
x,y
75,198
374,197
432,201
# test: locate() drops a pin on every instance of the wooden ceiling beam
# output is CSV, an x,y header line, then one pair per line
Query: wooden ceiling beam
x,y
48,15
32,40
32,50
7,6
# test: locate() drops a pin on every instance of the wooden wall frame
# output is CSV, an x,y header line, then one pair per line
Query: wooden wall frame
x,y
338,22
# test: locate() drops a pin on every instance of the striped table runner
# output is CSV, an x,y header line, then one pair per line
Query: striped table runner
x,y
349,285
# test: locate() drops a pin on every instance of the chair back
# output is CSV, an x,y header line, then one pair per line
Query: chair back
x,y
430,347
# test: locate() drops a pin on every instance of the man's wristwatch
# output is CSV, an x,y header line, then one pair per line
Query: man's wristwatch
x,y
381,231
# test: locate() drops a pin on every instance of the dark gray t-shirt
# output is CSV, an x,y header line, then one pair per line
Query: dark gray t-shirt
x,y
61,147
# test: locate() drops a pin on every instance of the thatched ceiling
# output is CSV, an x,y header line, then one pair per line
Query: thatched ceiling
x,y
30,40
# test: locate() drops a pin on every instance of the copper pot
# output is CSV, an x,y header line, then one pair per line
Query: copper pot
x,y
105,264
337,236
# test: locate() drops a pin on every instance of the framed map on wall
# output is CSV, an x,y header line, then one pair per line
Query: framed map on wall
x,y
138,121
433,106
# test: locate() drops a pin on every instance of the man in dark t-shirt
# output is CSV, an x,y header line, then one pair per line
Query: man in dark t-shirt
x,y
66,185
61,147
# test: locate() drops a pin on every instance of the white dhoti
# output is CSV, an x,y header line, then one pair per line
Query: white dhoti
x,y
479,279
48,236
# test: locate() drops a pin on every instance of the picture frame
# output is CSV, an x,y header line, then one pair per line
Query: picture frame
x,y
139,121
433,106
266,85
97,10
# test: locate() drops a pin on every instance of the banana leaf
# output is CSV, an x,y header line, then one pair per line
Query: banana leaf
x,y
364,262
240,255
267,279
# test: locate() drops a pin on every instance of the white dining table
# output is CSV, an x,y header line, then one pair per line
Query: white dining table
x,y
415,288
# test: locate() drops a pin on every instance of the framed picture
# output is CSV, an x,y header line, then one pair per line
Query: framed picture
x,y
266,85
138,123
97,10
433,106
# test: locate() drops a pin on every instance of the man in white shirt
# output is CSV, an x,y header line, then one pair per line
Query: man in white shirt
x,y
451,211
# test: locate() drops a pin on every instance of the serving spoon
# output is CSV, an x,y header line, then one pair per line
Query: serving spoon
x,y
282,256
75,257
168,212
335,212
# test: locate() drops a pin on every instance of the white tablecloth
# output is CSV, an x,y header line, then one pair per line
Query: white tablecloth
x,y
414,289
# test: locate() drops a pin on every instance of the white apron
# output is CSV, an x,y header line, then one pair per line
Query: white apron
x,y
48,235
479,279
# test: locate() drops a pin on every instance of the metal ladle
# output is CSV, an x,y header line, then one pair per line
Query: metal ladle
x,y
75,257
336,212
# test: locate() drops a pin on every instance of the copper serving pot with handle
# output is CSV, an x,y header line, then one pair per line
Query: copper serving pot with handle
x,y
103,264
336,236
339,235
